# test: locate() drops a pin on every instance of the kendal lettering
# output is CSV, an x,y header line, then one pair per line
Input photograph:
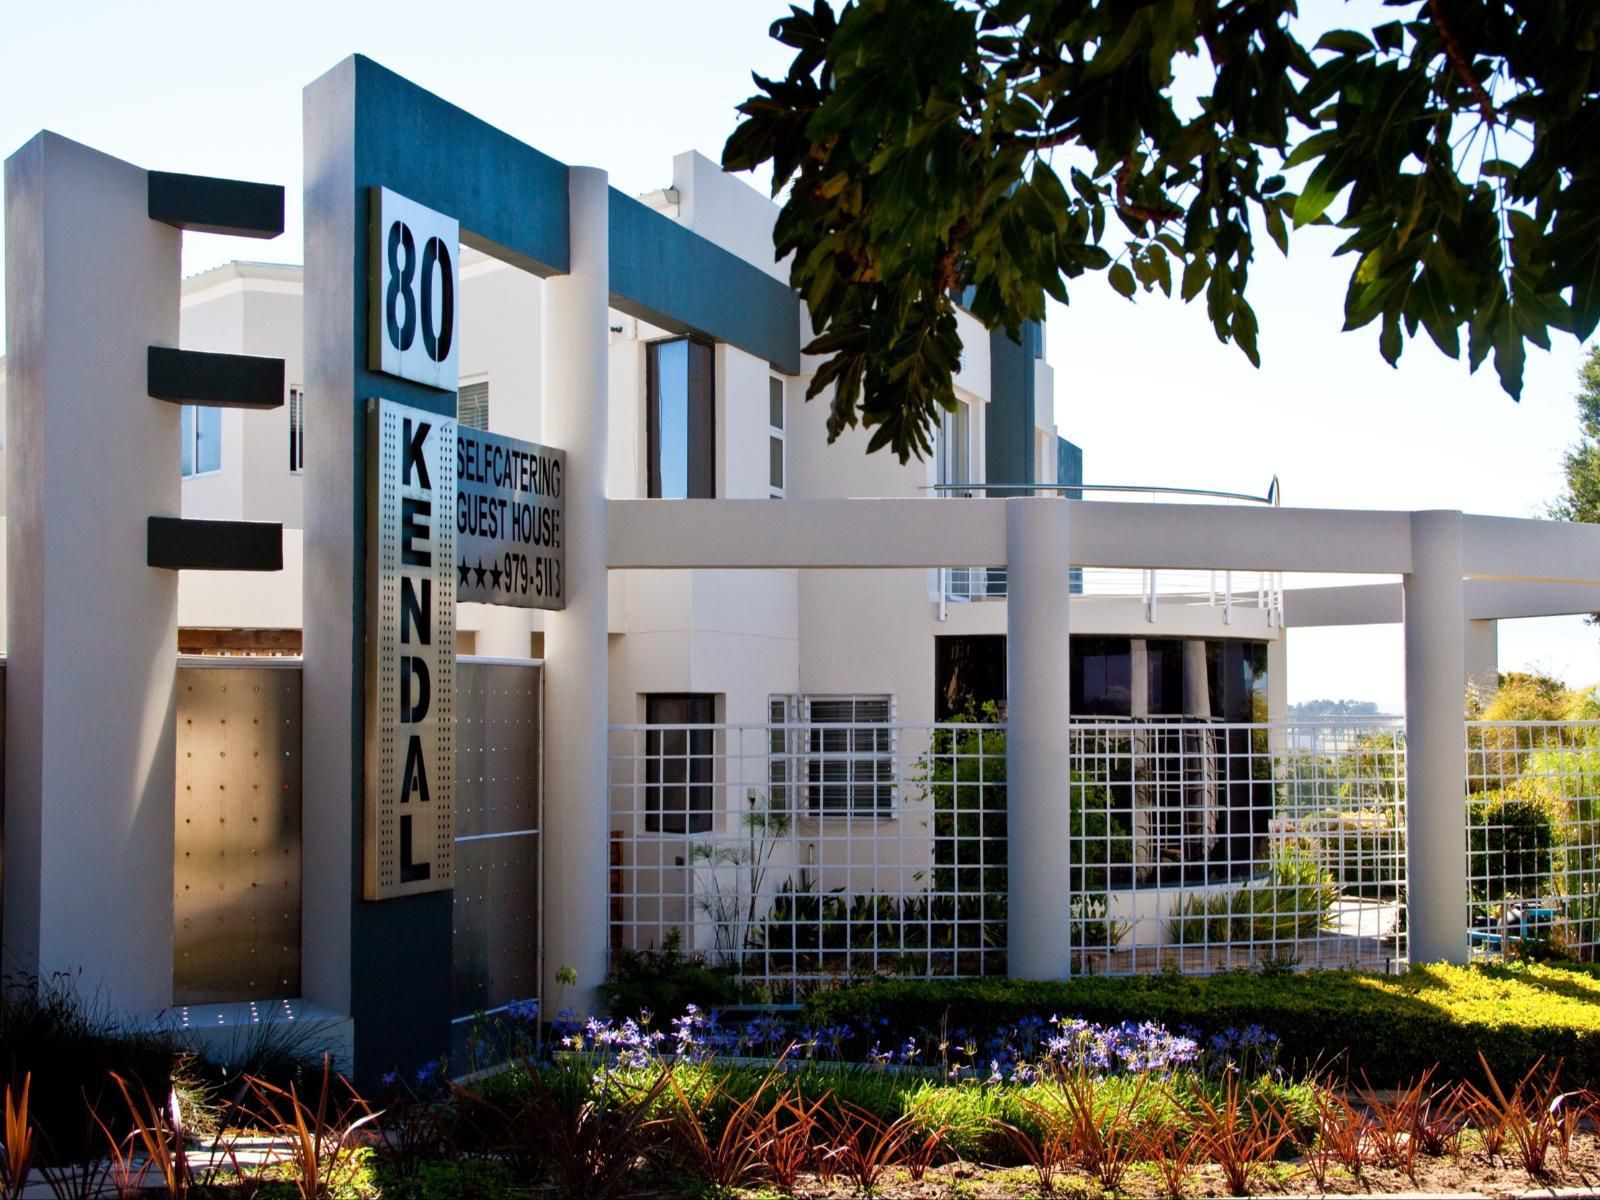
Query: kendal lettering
x,y
415,696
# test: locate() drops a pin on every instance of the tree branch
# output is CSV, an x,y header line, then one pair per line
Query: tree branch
x,y
1459,63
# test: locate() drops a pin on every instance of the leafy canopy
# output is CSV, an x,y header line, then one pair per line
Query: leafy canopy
x,y
994,150
1581,463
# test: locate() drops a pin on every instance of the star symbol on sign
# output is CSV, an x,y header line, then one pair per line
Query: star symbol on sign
x,y
461,570
495,573
479,572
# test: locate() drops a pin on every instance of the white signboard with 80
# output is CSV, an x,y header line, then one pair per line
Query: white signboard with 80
x,y
415,256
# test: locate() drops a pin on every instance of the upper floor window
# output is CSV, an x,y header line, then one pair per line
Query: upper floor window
x,y
951,450
472,405
680,420
202,440
297,430
777,461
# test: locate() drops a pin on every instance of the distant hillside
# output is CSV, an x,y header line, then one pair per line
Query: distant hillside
x,y
1320,709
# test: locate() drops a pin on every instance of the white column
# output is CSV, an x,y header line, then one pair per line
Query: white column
x,y
91,282
576,802
1038,700
1436,834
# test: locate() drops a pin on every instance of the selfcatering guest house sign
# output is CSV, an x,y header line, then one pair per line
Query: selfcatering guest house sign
x,y
509,531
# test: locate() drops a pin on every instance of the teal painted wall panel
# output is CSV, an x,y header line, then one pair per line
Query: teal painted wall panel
x,y
1008,448
674,278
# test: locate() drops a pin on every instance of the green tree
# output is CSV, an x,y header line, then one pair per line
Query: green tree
x,y
1581,463
994,150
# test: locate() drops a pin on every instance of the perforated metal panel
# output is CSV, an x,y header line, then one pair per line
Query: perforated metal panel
x,y
236,900
498,804
408,823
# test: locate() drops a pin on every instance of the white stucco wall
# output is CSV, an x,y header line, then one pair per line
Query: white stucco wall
x,y
740,635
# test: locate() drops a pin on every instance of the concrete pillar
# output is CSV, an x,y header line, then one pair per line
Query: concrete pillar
x,y
387,963
1436,835
1038,703
91,283
1482,651
576,804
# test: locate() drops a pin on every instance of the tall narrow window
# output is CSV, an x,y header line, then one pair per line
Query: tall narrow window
x,y
681,420
951,464
472,405
678,762
951,450
777,464
297,430
202,440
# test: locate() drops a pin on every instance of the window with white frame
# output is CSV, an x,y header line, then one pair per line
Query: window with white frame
x,y
839,755
952,449
680,420
952,465
778,465
202,440
472,404
297,430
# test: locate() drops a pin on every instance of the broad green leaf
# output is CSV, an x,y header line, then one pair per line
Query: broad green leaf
x,y
1344,41
1318,193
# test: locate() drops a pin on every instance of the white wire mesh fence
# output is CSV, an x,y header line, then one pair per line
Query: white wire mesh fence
x,y
1533,838
1207,846
798,854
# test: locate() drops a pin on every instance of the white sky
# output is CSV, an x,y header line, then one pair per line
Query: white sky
x,y
214,88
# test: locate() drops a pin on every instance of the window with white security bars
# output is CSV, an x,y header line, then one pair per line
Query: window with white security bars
x,y
841,756
472,405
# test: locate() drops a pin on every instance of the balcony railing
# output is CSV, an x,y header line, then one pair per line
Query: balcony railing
x,y
1225,590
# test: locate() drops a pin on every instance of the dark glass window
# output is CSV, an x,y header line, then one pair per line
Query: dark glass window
x,y
297,430
681,420
1238,679
678,763
969,672
1164,672
1101,674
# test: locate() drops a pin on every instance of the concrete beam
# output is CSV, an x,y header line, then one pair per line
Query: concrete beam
x,y
1539,551
925,533
928,533
1486,600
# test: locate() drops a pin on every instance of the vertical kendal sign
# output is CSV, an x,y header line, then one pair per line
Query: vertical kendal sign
x,y
414,263
409,826
509,521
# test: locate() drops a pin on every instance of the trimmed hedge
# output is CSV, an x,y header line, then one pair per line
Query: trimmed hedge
x,y
1390,1026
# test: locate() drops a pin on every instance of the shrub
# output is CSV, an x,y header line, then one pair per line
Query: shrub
x,y
71,1048
667,980
1391,1027
1514,833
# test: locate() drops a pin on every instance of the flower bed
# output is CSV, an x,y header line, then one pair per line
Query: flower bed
x,y
1390,1027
